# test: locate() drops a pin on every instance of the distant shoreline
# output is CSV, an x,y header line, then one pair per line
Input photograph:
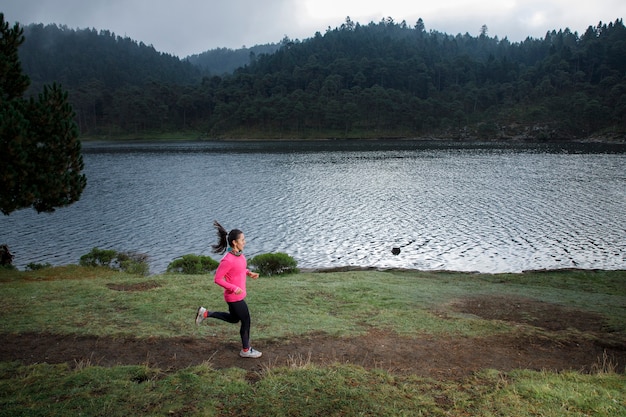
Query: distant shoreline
x,y
594,139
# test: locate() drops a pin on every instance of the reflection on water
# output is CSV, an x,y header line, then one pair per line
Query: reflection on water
x,y
469,208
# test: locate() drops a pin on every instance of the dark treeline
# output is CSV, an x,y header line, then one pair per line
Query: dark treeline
x,y
378,80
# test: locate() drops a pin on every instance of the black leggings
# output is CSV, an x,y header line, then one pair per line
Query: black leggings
x,y
237,311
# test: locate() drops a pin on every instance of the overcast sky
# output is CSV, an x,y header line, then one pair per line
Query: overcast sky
x,y
186,27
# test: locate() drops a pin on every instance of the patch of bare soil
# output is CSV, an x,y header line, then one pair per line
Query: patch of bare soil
x,y
429,356
536,313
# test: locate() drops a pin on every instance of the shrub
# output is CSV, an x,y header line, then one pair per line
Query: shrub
x,y
193,264
133,263
274,264
35,266
98,257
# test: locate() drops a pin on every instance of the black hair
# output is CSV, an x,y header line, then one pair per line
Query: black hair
x,y
224,238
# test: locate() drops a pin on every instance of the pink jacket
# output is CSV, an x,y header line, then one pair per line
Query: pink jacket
x,y
230,275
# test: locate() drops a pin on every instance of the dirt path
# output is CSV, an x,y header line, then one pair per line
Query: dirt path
x,y
436,357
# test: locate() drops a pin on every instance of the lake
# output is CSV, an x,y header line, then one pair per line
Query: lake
x,y
447,206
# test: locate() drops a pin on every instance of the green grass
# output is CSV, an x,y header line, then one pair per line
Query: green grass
x,y
80,301
75,300
301,390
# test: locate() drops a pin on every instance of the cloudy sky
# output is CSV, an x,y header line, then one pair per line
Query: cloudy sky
x,y
186,27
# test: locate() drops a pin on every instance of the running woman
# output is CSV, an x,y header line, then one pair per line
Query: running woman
x,y
231,275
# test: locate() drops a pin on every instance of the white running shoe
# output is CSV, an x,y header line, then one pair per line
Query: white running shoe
x,y
251,353
200,315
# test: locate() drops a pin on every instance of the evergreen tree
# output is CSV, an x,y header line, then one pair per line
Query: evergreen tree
x,y
40,158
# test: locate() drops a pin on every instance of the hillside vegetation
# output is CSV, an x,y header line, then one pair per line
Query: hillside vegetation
x,y
382,79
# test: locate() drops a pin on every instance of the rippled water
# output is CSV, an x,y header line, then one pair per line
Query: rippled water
x,y
468,208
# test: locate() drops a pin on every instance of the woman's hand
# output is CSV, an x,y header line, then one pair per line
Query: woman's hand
x,y
254,275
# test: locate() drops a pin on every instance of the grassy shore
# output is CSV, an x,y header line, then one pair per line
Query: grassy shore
x,y
413,304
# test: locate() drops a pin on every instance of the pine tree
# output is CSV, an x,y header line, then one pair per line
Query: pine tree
x,y
40,154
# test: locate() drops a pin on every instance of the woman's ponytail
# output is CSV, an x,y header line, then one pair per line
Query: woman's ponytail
x,y
225,237
222,242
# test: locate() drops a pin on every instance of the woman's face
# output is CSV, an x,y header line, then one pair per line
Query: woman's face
x,y
239,243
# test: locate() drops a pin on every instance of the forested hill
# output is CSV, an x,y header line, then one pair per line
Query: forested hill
x,y
78,58
382,79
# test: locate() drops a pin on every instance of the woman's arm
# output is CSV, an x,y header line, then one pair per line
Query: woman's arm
x,y
220,277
